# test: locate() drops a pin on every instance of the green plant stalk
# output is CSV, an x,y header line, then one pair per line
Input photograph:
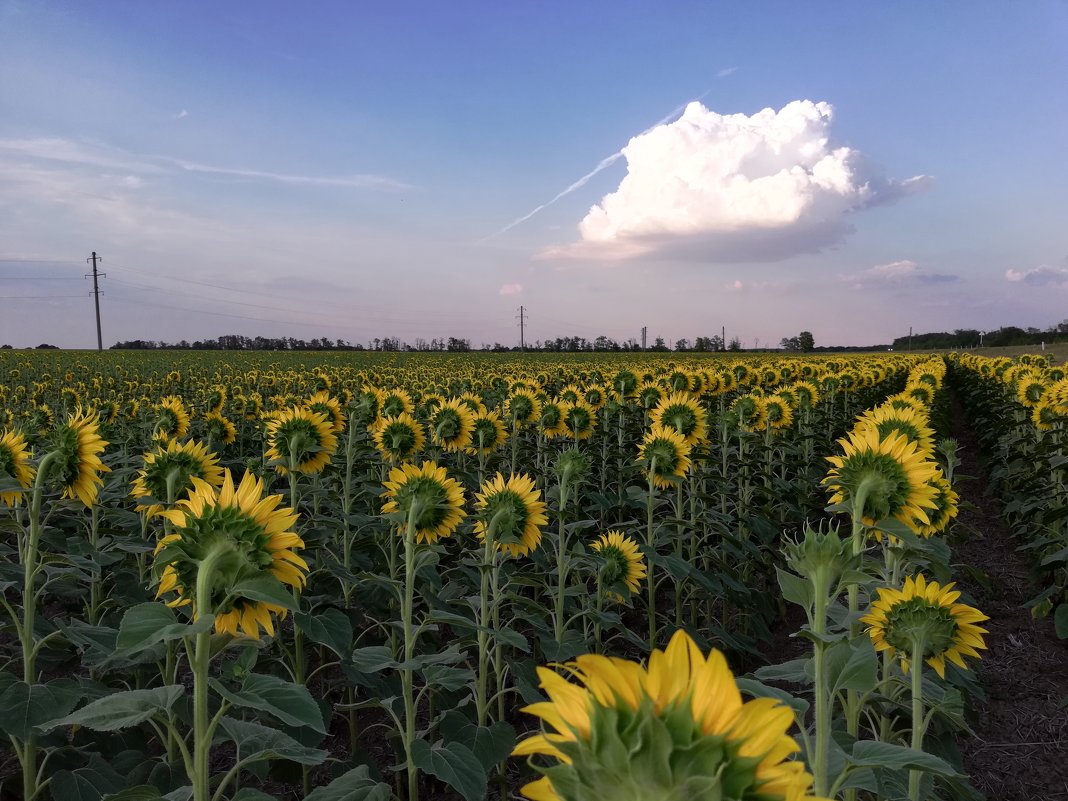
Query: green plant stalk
x,y
852,704
299,668
650,581
201,775
680,583
95,578
30,786
918,727
822,714
559,622
498,649
482,682
407,673
600,609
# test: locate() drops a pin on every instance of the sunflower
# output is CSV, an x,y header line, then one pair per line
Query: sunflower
x,y
925,613
219,429
300,439
75,457
41,419
551,421
676,728
487,435
429,495
666,456
578,419
398,438
169,472
913,424
473,403
923,393
323,404
513,509
945,508
1029,390
624,565
15,464
886,476
394,402
649,395
750,412
172,419
522,407
239,535
451,425
778,413
624,384
216,399
684,414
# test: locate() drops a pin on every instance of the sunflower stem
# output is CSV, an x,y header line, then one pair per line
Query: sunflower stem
x,y
201,777
650,583
918,727
407,673
561,563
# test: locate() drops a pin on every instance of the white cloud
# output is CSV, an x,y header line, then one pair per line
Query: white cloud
x,y
181,115
896,273
726,71
1044,275
511,289
734,188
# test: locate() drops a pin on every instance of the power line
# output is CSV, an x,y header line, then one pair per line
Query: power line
x,y
38,297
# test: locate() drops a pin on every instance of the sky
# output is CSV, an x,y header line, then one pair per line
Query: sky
x,y
423,169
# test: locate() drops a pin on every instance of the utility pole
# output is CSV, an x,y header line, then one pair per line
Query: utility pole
x,y
910,339
522,337
645,331
723,337
96,297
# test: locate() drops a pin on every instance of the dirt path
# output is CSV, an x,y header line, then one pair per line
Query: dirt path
x,y
1021,746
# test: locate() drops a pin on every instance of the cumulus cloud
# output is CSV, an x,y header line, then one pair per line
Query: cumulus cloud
x,y
734,188
896,273
511,289
1044,275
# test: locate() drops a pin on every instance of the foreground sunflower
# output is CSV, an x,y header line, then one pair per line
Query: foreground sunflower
x,y
624,565
74,457
882,477
923,620
487,434
219,429
514,511
665,455
224,537
398,438
578,418
300,439
169,472
451,426
172,419
15,463
323,404
683,413
914,424
428,497
676,729
522,407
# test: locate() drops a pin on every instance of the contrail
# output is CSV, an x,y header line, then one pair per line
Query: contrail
x,y
604,164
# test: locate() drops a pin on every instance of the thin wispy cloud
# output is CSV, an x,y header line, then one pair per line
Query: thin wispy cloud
x,y
181,115
896,273
726,72
602,165
96,154
1043,275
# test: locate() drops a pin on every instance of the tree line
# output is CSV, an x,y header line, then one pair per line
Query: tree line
x,y
1005,336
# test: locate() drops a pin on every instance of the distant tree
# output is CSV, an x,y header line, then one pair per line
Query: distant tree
x,y
659,344
5,346
46,346
682,344
735,344
806,342
792,344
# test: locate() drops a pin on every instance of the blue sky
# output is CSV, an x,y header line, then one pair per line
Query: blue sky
x,y
347,169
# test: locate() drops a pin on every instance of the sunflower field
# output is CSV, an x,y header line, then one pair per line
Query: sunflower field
x,y
339,577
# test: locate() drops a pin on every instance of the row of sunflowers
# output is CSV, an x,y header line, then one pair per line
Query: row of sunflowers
x,y
228,578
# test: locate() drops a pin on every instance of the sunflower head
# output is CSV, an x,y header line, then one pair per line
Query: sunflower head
x,y
622,566
487,434
322,403
683,413
399,438
944,510
665,455
394,402
882,477
15,465
222,539
169,472
172,419
300,439
571,467
923,620
219,429
778,413
910,422
676,728
750,412
512,512
522,407
578,418
427,498
624,383
451,425
74,455
551,421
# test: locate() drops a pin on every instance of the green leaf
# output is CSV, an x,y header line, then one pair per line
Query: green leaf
x,y
86,784
146,624
267,589
760,690
796,671
873,754
252,794
120,710
24,707
852,666
491,744
1060,621
443,677
329,627
454,764
372,659
290,703
795,589
142,792
262,742
356,785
